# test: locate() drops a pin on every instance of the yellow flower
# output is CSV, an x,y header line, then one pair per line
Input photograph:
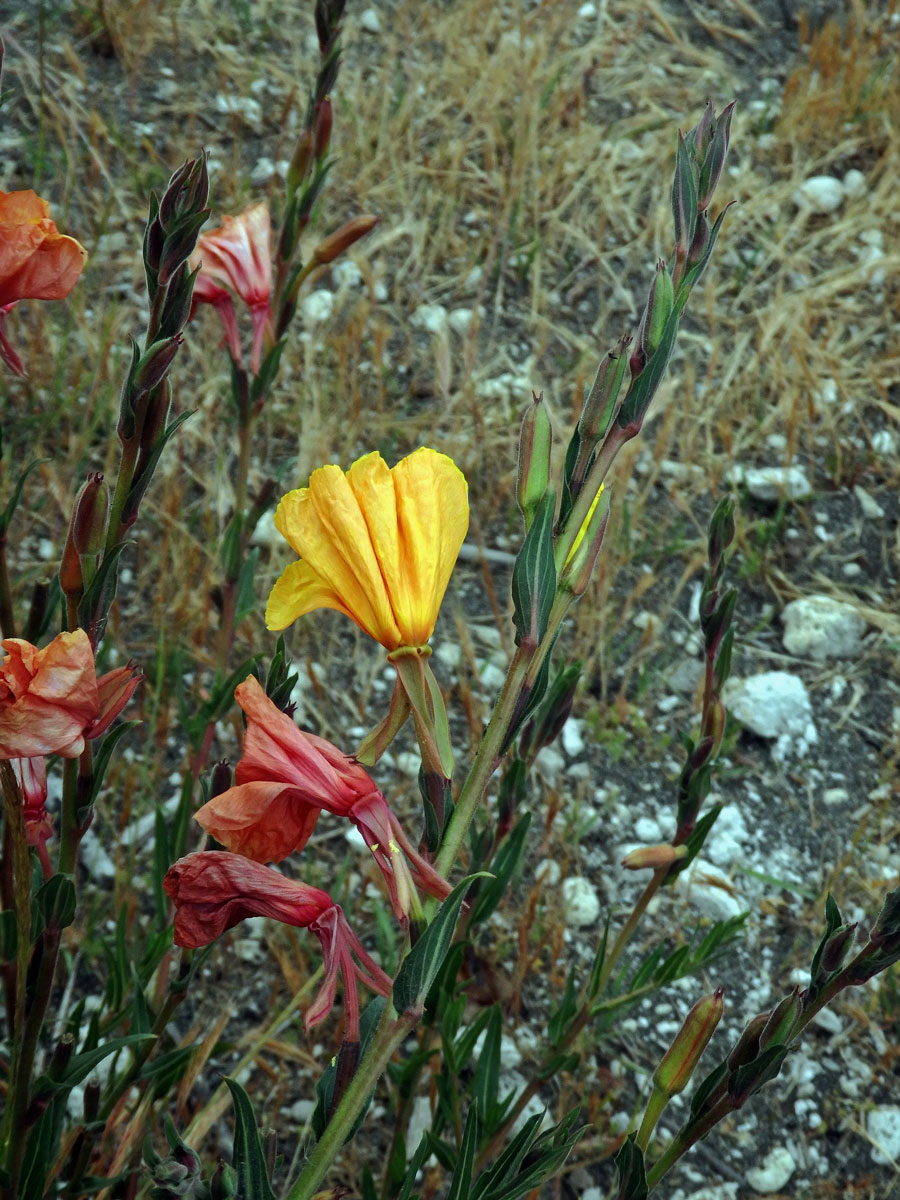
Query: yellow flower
x,y
376,543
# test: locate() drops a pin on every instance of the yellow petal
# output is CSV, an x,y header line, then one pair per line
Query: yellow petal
x,y
433,516
324,525
299,591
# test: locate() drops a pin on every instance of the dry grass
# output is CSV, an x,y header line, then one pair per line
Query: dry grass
x,y
519,160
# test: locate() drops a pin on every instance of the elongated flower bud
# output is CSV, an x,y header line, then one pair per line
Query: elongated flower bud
x,y
533,471
300,160
782,1020
653,856
598,408
680,1060
322,129
336,243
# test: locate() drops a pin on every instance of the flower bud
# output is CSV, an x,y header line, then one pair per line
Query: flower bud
x,y
579,566
86,533
653,856
713,159
155,362
336,243
597,412
300,160
657,311
746,1048
533,471
781,1021
699,138
684,199
678,1063
322,128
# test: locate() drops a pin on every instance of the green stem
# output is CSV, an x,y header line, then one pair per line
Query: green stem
x,y
388,1037
69,832
629,927
685,1138
124,481
486,759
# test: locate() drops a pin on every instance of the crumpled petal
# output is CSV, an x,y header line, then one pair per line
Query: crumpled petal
x,y
37,262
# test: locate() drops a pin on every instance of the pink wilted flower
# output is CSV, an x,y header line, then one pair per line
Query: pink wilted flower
x,y
237,258
283,781
51,699
31,774
213,891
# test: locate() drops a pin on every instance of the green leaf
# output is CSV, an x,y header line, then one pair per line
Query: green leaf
x,y
507,862
247,1157
415,1166
81,1065
485,1084
102,757
632,1178
268,370
421,965
246,598
55,902
705,1089
534,575
7,515
462,1173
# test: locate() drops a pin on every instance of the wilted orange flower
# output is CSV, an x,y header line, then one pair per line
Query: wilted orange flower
x,y
213,891
37,262
237,258
31,774
376,543
284,780
51,700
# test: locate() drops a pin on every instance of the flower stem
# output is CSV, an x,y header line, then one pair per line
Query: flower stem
x,y
7,615
630,925
389,1035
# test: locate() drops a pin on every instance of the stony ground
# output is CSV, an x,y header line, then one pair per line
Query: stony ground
x,y
518,156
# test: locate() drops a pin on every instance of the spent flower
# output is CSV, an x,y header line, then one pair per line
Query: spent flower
x,y
214,890
37,262
285,778
237,258
51,700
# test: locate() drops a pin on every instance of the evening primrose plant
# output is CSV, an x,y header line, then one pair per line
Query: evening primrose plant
x,y
95,1086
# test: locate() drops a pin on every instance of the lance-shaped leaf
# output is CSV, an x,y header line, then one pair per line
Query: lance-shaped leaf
x,y
423,962
534,576
248,1159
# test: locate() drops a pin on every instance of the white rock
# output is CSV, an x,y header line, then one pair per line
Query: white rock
x,y
883,1125
460,320
408,763
869,506
550,763
585,13
432,317
724,845
96,861
548,871
581,902
884,442
572,738
820,194
821,627
708,890
771,704
771,483
854,184
774,1171
715,1191
370,21
420,1121
346,273
302,1110
317,306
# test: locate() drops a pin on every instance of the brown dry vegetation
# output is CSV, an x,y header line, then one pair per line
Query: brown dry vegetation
x,y
518,158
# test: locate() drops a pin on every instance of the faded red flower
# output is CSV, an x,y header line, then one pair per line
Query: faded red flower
x,y
283,781
213,891
51,699
237,258
37,262
31,774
